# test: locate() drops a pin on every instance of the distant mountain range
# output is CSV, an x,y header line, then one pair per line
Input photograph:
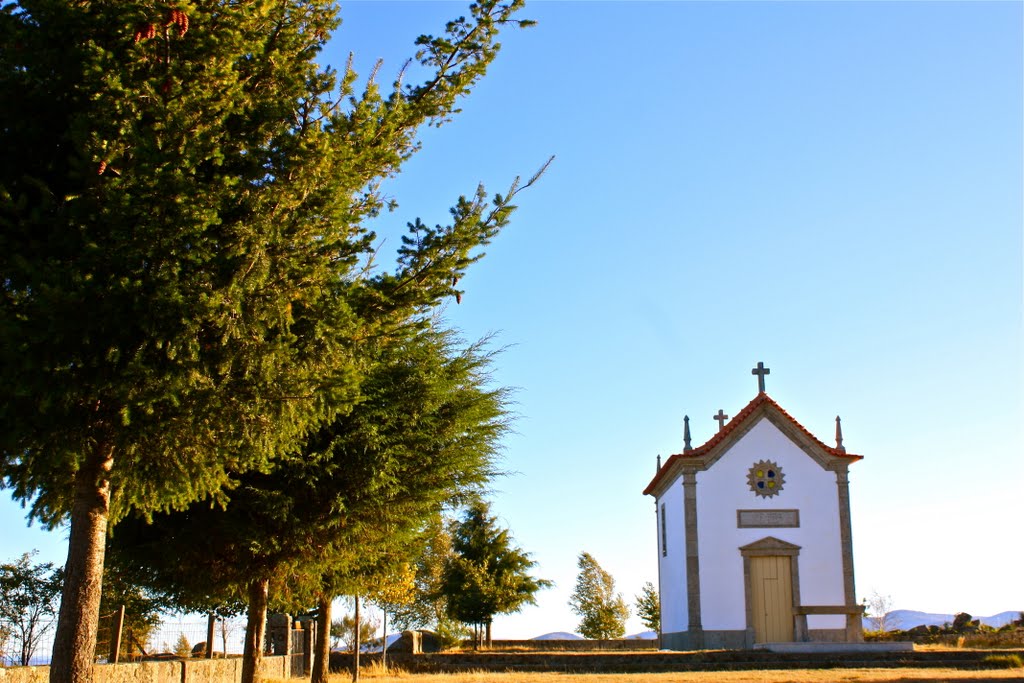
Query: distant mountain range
x,y
900,619
905,619
562,635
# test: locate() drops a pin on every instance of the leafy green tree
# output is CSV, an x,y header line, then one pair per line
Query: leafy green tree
x,y
432,551
425,436
603,612
396,590
182,280
335,520
28,602
648,607
487,574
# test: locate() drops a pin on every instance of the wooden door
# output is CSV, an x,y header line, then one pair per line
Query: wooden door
x,y
772,599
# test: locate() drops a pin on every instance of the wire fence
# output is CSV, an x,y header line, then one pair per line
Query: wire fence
x,y
14,651
171,637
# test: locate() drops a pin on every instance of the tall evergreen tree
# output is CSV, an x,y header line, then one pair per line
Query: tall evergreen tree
x,y
182,222
602,611
331,521
487,574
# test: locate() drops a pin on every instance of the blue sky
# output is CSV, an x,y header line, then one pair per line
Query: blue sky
x,y
832,188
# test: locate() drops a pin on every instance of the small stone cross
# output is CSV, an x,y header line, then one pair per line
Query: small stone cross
x,y
721,417
760,371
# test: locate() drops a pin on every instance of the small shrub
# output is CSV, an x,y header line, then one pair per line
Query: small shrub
x,y
1013,638
182,648
1008,661
451,633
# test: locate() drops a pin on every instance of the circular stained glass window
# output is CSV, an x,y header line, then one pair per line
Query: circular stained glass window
x,y
766,478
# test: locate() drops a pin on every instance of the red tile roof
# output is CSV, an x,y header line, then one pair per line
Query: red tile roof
x,y
762,399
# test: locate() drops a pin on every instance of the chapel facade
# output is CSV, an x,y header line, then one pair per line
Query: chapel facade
x,y
754,535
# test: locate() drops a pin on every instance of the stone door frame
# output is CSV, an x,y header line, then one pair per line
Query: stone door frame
x,y
770,546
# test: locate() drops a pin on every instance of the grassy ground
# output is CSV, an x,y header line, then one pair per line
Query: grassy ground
x,y
782,676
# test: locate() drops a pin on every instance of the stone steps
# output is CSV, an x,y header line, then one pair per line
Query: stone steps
x,y
725,660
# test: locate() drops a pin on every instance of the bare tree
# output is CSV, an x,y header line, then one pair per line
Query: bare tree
x,y
878,607
228,628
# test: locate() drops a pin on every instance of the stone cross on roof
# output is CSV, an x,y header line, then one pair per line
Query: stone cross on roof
x,y
721,417
760,371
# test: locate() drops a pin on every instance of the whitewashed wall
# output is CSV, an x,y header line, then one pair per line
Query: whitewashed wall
x,y
723,489
672,574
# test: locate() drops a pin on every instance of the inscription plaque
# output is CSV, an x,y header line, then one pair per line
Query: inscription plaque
x,y
766,519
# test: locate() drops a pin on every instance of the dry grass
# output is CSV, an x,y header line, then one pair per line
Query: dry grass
x,y
776,676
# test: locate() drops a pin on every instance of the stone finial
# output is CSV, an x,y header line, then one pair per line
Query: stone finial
x,y
658,468
686,434
721,417
839,436
760,371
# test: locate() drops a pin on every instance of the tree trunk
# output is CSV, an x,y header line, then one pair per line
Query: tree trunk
x,y
74,642
255,631
211,626
355,655
488,633
384,646
322,653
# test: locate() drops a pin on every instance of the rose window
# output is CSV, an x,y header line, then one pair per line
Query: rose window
x,y
765,478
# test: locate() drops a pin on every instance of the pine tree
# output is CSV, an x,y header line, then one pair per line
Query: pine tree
x,y
183,202
335,519
487,574
603,612
182,648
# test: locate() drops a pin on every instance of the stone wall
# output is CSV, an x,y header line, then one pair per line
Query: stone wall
x,y
569,645
653,661
172,671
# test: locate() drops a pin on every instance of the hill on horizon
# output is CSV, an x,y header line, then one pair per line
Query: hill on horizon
x,y
559,635
644,635
905,619
563,635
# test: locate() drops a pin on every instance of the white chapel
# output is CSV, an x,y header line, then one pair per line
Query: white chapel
x,y
754,538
